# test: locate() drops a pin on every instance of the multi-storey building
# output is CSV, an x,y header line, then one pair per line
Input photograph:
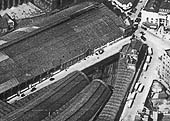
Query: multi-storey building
x,y
164,70
157,12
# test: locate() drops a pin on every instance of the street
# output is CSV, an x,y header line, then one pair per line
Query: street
x,y
146,77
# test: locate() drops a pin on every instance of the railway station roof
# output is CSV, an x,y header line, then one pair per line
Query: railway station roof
x,y
70,33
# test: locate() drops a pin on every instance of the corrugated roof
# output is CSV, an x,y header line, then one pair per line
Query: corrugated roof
x,y
46,49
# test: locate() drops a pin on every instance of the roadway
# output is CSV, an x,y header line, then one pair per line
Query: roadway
x,y
109,50
139,7
148,76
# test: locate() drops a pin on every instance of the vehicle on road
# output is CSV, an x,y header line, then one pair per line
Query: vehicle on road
x,y
129,13
130,103
138,20
145,66
150,51
141,87
148,59
142,33
137,86
143,38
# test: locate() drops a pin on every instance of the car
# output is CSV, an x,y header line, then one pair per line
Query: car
x,y
129,13
138,20
143,27
143,38
142,33
140,14
141,87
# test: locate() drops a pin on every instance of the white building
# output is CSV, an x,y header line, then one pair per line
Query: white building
x,y
157,12
164,69
123,4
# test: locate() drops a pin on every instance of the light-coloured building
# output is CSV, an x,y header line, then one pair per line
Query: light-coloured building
x,y
157,12
164,70
123,4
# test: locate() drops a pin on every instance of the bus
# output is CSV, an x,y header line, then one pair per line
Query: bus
x,y
148,59
130,103
137,86
141,87
150,51
145,66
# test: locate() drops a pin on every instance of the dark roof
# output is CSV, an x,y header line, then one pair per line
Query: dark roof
x,y
3,23
84,106
153,5
52,98
158,6
126,1
46,49
122,83
165,6
135,44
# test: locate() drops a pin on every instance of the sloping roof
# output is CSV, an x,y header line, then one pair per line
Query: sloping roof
x,y
112,109
165,5
153,5
85,105
158,6
35,106
126,1
46,49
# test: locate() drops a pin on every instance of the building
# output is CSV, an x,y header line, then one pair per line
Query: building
x,y
157,12
4,4
27,59
164,70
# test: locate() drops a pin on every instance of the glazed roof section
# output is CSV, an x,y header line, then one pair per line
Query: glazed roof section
x,y
46,49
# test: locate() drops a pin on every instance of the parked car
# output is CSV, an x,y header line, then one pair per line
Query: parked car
x,y
143,27
143,38
142,33
138,20
129,13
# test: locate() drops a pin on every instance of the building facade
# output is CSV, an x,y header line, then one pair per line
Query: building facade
x,y
157,12
164,69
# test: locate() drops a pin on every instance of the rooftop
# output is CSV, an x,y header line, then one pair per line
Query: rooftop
x,y
44,49
158,6
126,1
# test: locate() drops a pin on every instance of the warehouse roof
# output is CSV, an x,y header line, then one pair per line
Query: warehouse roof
x,y
42,49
